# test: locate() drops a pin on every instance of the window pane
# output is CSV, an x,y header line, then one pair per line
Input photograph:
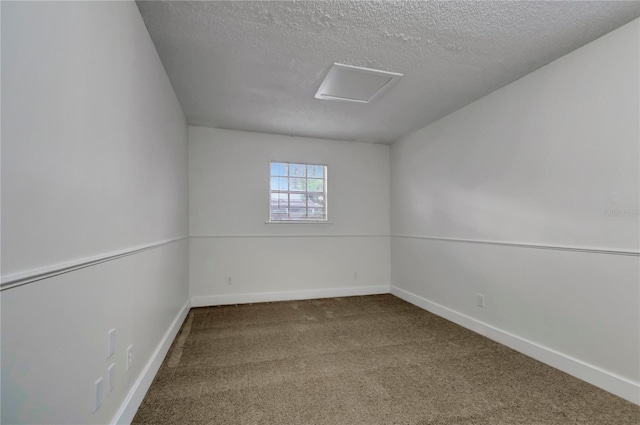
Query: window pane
x,y
279,206
274,197
297,192
297,170
279,183
279,215
298,184
283,184
298,213
316,213
298,200
315,185
279,200
315,171
316,200
278,169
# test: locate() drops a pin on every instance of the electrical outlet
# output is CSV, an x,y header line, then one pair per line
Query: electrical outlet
x,y
99,390
480,300
229,280
129,357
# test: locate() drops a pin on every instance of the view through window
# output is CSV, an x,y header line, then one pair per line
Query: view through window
x,y
298,192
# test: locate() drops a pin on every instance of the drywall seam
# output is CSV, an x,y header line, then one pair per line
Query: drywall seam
x,y
610,382
256,297
134,398
609,251
23,278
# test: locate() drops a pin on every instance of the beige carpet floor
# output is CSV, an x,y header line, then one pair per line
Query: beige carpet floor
x,y
359,360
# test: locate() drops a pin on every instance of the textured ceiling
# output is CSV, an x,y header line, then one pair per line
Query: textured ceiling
x,y
256,66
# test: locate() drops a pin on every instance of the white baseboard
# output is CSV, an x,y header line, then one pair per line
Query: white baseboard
x,y
612,383
307,294
132,401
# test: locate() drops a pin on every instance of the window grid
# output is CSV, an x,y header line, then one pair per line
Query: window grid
x,y
308,205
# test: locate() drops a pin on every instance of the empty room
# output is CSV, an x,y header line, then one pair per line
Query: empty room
x,y
320,212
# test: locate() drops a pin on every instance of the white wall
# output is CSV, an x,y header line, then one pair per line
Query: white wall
x,y
94,163
228,210
534,166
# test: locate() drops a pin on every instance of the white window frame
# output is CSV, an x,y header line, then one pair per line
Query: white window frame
x,y
324,220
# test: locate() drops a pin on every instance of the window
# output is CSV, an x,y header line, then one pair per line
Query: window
x,y
298,192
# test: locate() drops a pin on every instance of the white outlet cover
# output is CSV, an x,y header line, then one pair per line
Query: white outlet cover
x,y
99,390
129,356
111,343
111,378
